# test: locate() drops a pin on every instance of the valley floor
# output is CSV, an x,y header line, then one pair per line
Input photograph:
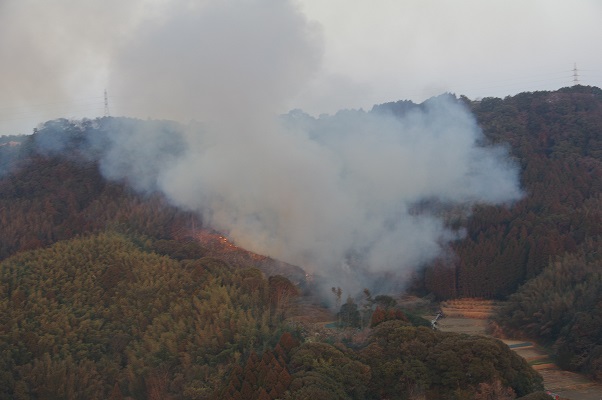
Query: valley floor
x,y
470,316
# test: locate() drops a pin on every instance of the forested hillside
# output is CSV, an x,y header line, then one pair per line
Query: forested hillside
x,y
55,190
562,307
550,240
102,317
107,291
93,317
556,137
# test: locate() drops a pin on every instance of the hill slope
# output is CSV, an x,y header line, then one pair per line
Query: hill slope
x,y
99,280
556,137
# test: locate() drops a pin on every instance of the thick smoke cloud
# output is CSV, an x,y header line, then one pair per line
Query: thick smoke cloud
x,y
350,197
336,195
220,62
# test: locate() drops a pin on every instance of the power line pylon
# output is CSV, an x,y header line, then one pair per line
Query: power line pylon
x,y
575,75
106,104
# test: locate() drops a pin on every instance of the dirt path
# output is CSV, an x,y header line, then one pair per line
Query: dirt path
x,y
470,316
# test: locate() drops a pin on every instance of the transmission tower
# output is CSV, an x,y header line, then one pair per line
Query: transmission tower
x,y
106,104
575,75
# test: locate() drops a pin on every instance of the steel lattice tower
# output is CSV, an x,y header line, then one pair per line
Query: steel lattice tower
x,y
106,104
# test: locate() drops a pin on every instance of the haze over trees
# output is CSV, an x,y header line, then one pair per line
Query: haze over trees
x,y
549,241
555,138
106,292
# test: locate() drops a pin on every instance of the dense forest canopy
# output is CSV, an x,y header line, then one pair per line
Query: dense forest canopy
x,y
91,313
103,316
109,291
562,308
556,139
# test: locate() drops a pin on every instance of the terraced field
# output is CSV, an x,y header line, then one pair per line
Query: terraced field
x,y
470,316
462,316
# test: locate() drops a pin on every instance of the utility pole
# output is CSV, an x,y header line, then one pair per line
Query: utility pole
x,y
106,104
575,75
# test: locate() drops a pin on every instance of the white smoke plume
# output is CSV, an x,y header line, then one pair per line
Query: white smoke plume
x,y
333,195
337,195
219,62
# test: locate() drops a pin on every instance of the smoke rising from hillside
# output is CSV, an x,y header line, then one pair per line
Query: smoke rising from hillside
x,y
219,62
347,196
336,195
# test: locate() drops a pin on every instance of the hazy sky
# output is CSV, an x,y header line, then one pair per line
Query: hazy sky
x,y
58,57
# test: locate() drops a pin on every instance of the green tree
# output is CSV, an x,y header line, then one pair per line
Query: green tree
x,y
349,315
